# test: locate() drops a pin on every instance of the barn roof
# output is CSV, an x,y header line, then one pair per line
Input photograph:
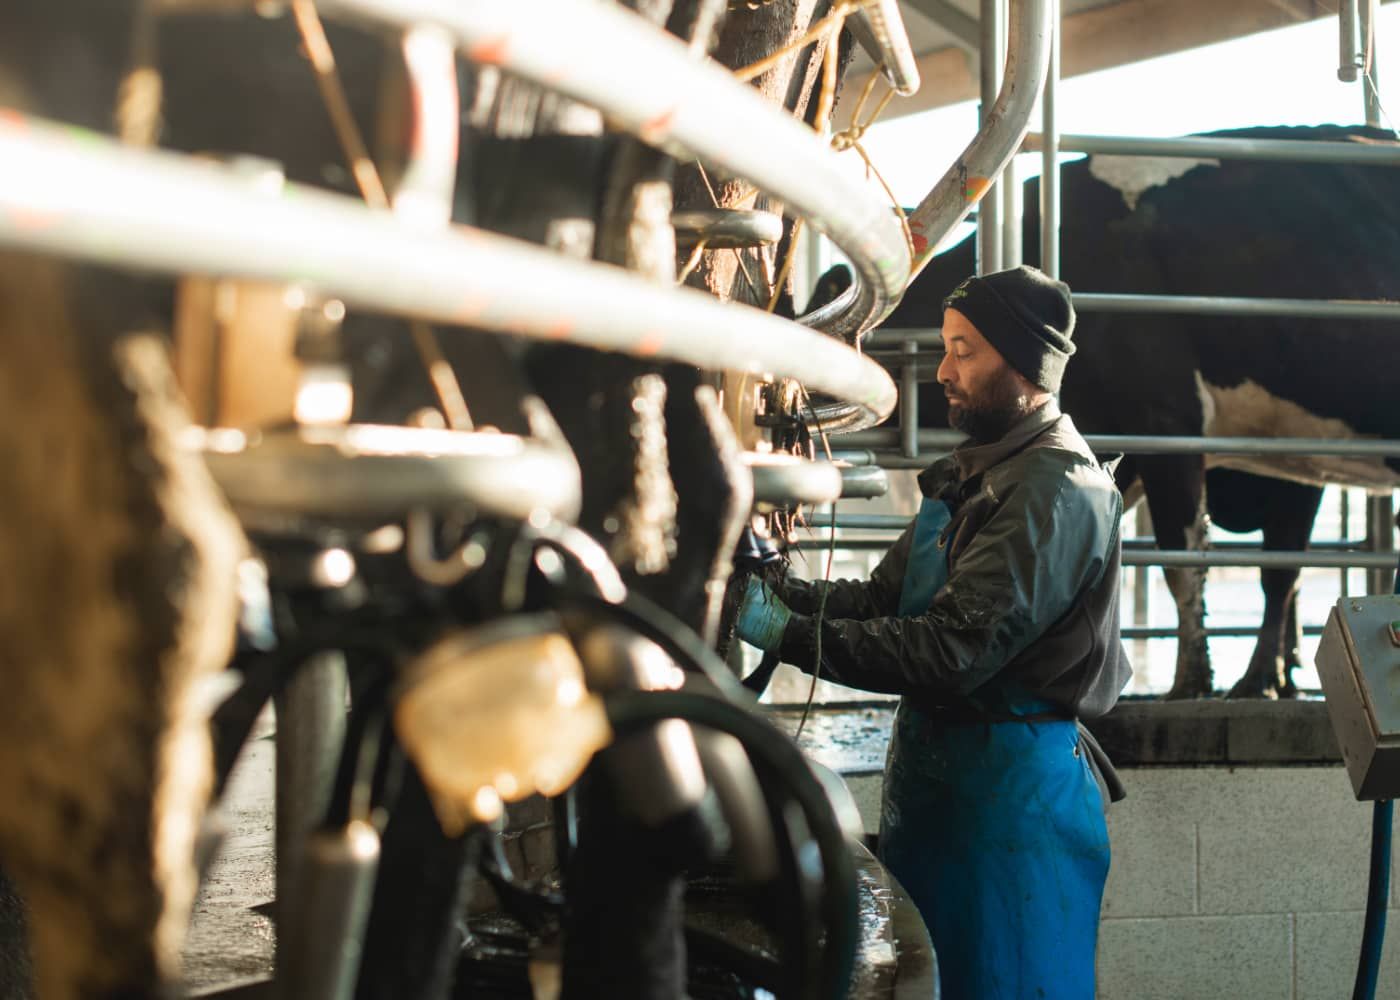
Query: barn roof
x,y
1098,34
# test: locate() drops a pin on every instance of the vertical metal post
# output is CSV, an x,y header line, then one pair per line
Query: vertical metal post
x,y
1142,587
1012,213
1049,156
310,734
1380,537
1370,91
809,263
993,46
1344,531
1349,41
909,400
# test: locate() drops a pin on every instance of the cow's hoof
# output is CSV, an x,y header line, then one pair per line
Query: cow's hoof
x,y
1254,687
1185,692
1265,678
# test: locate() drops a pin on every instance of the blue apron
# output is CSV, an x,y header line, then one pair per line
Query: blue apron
x,y
996,830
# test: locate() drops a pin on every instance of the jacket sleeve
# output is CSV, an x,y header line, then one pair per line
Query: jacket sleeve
x,y
1042,546
854,599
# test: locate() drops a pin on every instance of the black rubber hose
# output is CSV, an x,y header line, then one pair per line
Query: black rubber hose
x,y
265,674
1377,896
631,710
368,737
1377,890
650,620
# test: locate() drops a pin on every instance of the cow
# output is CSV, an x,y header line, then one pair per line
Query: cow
x,y
1226,228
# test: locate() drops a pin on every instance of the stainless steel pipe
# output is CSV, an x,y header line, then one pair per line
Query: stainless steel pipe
x,y
82,195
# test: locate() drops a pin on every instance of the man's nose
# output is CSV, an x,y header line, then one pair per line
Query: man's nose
x,y
945,370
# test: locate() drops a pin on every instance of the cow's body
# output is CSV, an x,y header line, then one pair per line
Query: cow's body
x,y
1223,228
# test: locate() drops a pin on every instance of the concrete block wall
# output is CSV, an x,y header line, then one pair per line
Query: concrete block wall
x,y
1245,882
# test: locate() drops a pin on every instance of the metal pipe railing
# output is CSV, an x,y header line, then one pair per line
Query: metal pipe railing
x,y
1211,305
863,482
1380,535
880,29
1049,156
991,45
895,339
82,195
689,106
1013,210
1002,132
898,522
909,400
1130,632
1370,93
1177,557
1226,148
1147,444
785,479
1350,56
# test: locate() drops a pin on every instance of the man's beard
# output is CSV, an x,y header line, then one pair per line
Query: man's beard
x,y
1000,408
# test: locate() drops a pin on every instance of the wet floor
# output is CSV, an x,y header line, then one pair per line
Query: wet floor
x,y
231,941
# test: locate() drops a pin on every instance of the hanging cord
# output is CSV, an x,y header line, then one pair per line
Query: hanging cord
x,y
367,178
829,27
738,253
831,24
691,262
849,138
826,580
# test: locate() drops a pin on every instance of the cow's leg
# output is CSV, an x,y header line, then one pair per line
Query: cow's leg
x,y
1288,511
1267,675
1175,489
1292,648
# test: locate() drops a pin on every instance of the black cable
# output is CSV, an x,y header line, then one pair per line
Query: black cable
x,y
631,710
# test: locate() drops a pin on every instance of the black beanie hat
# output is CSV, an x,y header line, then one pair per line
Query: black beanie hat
x,y
1026,315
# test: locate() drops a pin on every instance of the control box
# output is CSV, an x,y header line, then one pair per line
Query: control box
x,y
1358,661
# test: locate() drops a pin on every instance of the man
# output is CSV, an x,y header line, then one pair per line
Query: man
x,y
995,616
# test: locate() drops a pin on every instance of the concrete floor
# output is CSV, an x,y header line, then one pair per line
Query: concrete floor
x,y
229,941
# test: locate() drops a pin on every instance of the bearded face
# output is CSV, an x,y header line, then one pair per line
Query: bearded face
x,y
986,396
986,412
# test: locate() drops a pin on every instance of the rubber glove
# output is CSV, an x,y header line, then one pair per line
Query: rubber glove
x,y
762,616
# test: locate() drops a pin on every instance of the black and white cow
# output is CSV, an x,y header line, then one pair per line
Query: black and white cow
x,y
1210,227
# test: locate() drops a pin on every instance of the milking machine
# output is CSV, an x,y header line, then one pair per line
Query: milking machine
x,y
445,644
488,713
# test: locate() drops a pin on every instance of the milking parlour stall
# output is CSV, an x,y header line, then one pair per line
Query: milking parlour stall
x,y
434,431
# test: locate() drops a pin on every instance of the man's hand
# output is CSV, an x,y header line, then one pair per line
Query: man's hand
x,y
762,616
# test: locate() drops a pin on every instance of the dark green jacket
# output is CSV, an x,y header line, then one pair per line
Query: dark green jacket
x,y
1031,602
